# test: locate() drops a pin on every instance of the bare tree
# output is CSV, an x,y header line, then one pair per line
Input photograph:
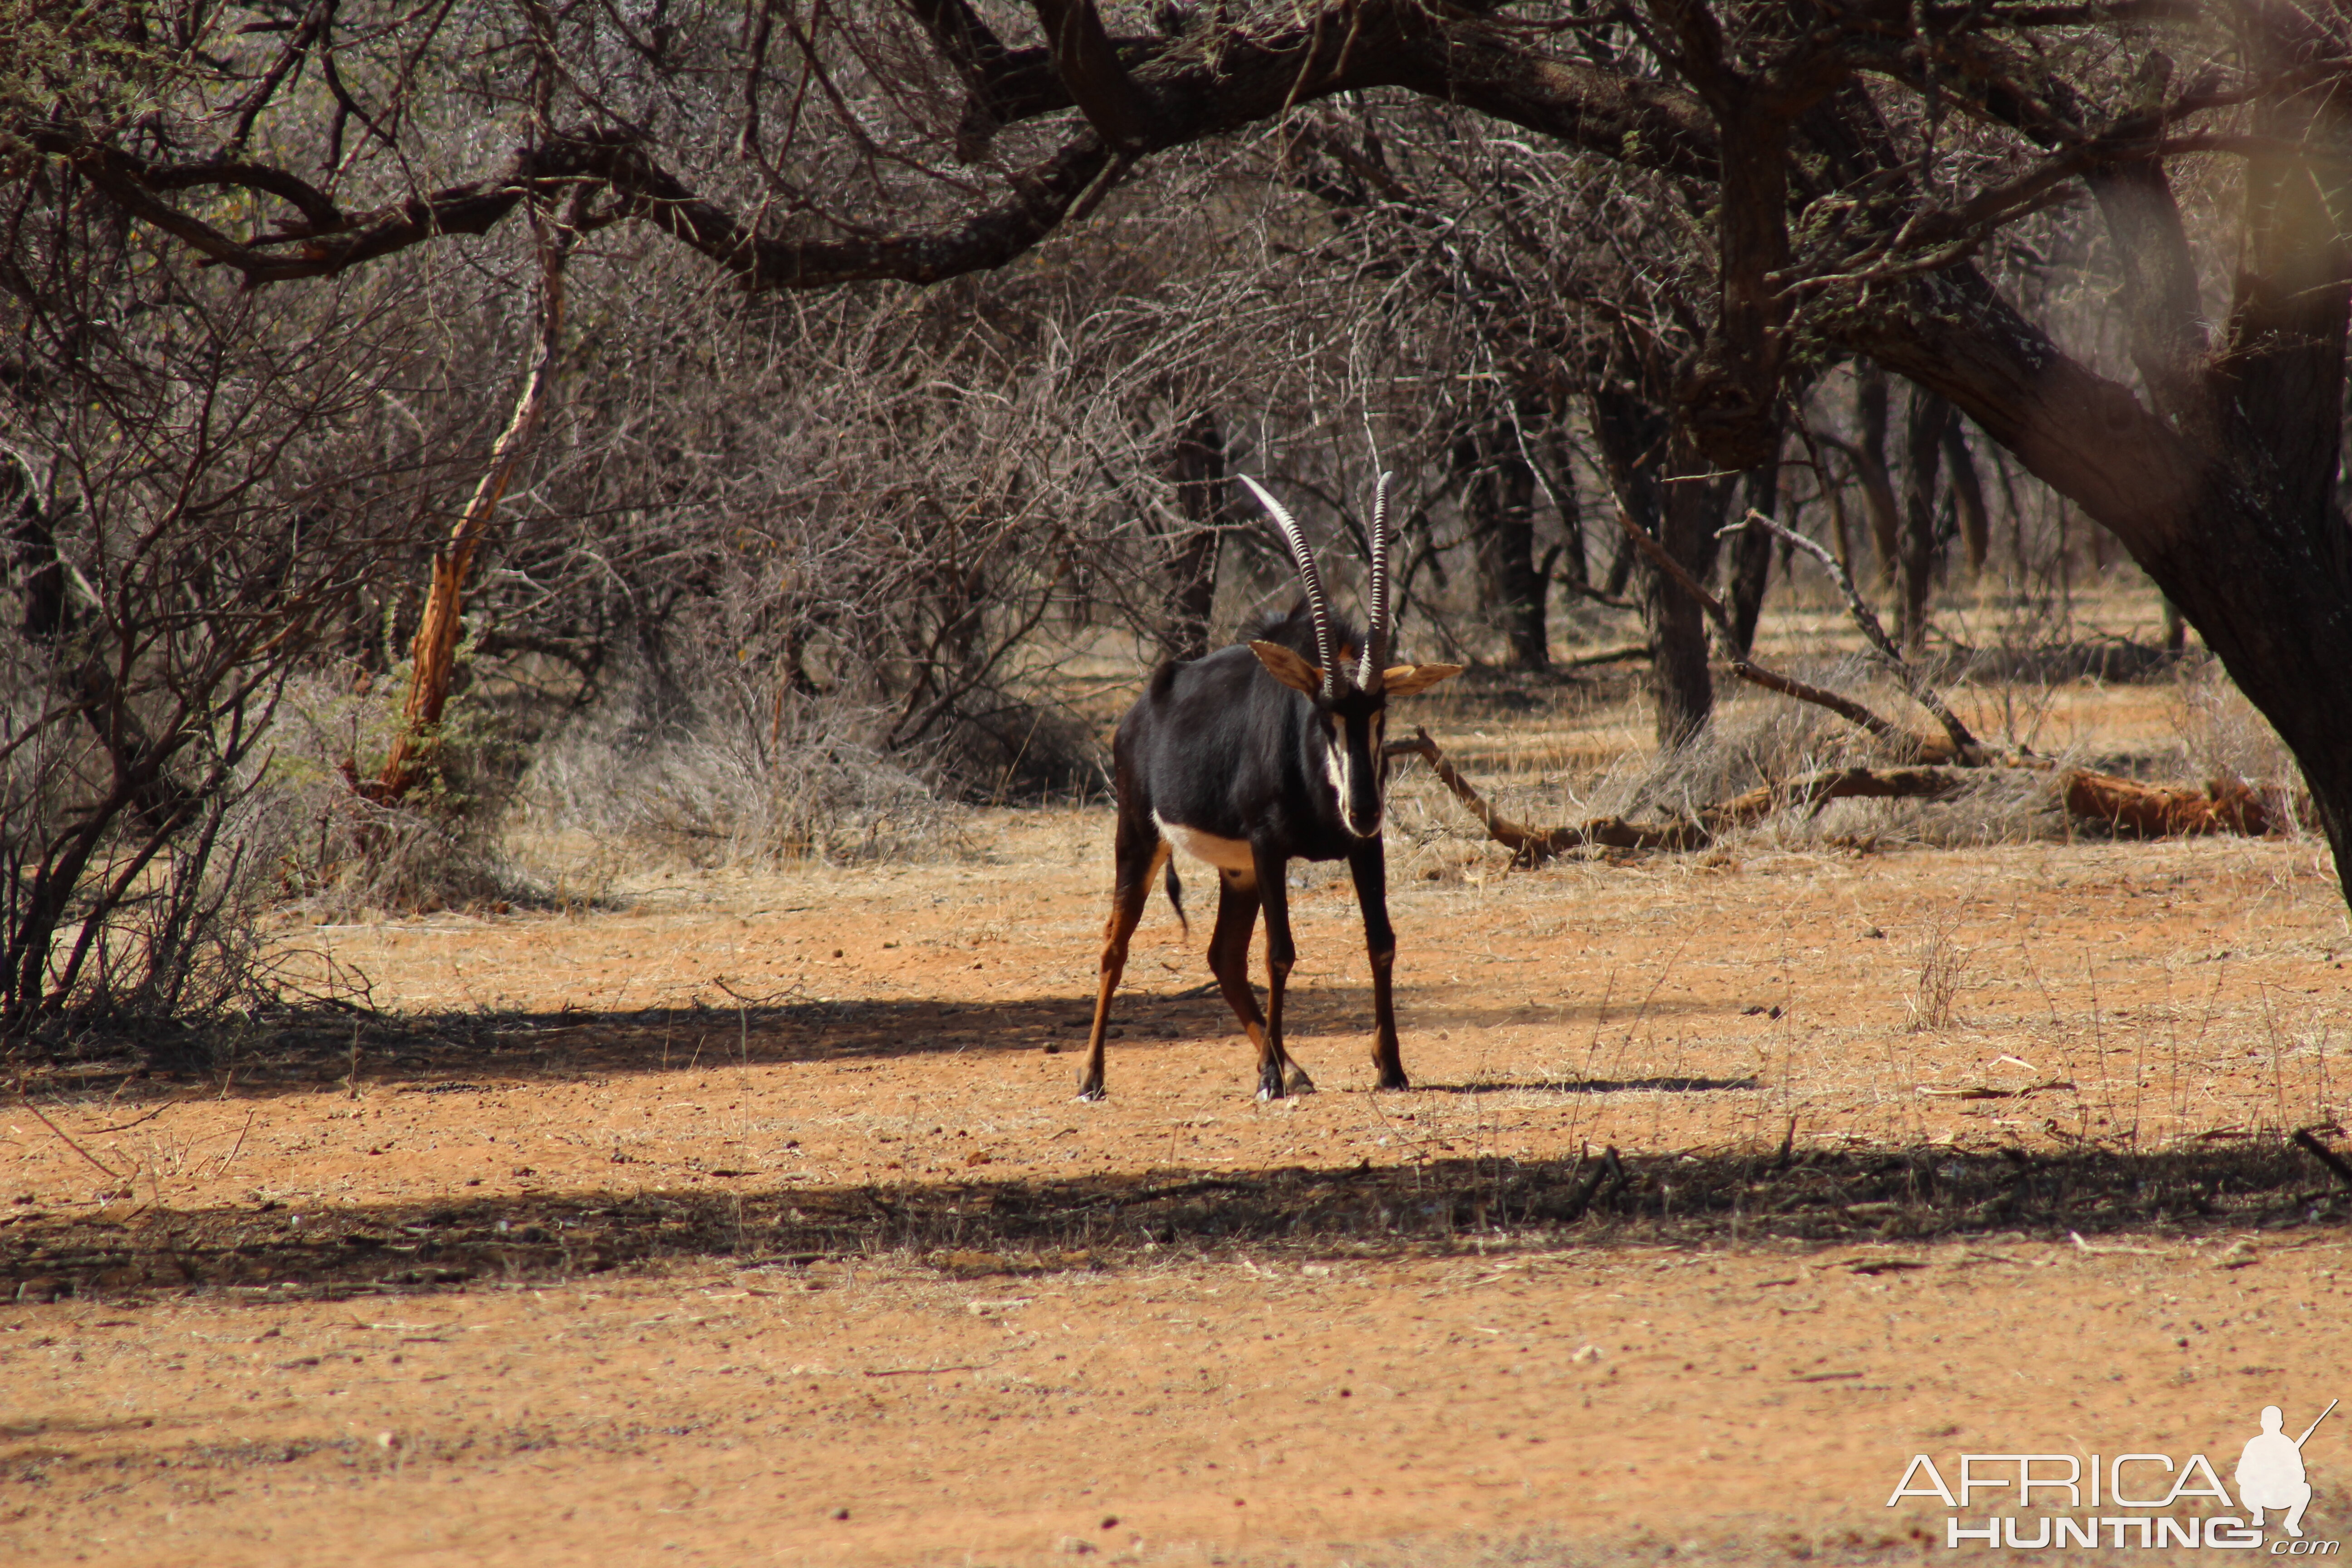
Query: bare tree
x,y
193,518
1847,180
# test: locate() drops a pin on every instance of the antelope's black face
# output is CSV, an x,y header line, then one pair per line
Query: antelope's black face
x,y
1350,686
1355,724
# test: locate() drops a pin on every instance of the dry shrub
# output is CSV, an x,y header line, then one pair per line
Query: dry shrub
x,y
341,856
755,777
2227,740
1003,749
1753,739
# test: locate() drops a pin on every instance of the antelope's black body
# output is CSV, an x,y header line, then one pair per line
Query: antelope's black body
x,y
1248,759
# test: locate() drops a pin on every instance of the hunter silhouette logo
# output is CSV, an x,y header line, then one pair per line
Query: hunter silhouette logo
x,y
2270,1472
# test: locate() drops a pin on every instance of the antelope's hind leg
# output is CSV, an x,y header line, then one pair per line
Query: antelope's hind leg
x,y
1237,903
1138,860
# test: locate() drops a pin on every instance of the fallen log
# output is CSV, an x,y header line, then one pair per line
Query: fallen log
x,y
2169,811
2125,805
1606,655
1817,790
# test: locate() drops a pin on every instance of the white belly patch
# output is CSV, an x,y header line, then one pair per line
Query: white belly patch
x,y
1224,854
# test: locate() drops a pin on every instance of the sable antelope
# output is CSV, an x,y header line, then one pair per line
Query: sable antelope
x,y
1249,759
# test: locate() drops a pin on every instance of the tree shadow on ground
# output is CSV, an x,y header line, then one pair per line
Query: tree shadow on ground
x,y
294,1052
1681,1084
1914,1195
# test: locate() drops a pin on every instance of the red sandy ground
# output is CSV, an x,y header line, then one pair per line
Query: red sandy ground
x,y
1537,1395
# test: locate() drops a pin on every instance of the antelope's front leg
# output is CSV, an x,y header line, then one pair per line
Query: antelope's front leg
x,y
1368,864
1277,1075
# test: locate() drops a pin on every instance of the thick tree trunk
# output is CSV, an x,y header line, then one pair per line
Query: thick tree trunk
x,y
1870,466
1500,501
1682,516
1203,497
1681,687
1560,475
1632,435
2264,576
1930,415
1968,495
1751,557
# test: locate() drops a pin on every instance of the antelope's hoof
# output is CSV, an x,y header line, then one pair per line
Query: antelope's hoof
x,y
1395,1080
1297,1082
1092,1094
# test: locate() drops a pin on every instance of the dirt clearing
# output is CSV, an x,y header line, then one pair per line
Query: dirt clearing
x,y
753,1221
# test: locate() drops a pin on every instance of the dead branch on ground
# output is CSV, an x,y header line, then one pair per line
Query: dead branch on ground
x,y
1965,748
1959,746
2173,811
2148,811
1535,844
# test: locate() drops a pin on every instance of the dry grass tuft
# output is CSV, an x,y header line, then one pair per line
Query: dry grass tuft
x,y
1942,965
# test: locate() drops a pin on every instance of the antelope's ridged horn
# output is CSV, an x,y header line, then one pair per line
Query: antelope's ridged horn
x,y
1376,633
1304,559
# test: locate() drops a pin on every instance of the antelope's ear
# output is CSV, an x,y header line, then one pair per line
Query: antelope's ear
x,y
1405,680
1286,665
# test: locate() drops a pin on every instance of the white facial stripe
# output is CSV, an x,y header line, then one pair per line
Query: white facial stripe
x,y
1334,759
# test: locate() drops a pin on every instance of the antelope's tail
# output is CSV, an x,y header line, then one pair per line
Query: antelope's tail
x,y
1176,897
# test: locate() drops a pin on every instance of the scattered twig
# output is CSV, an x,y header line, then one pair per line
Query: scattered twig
x,y
68,1139
2081,1245
127,1126
238,1147
1607,1164
1607,656
2306,1140
1985,1091
920,1371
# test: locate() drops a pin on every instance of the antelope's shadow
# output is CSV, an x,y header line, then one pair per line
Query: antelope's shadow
x,y
294,1052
